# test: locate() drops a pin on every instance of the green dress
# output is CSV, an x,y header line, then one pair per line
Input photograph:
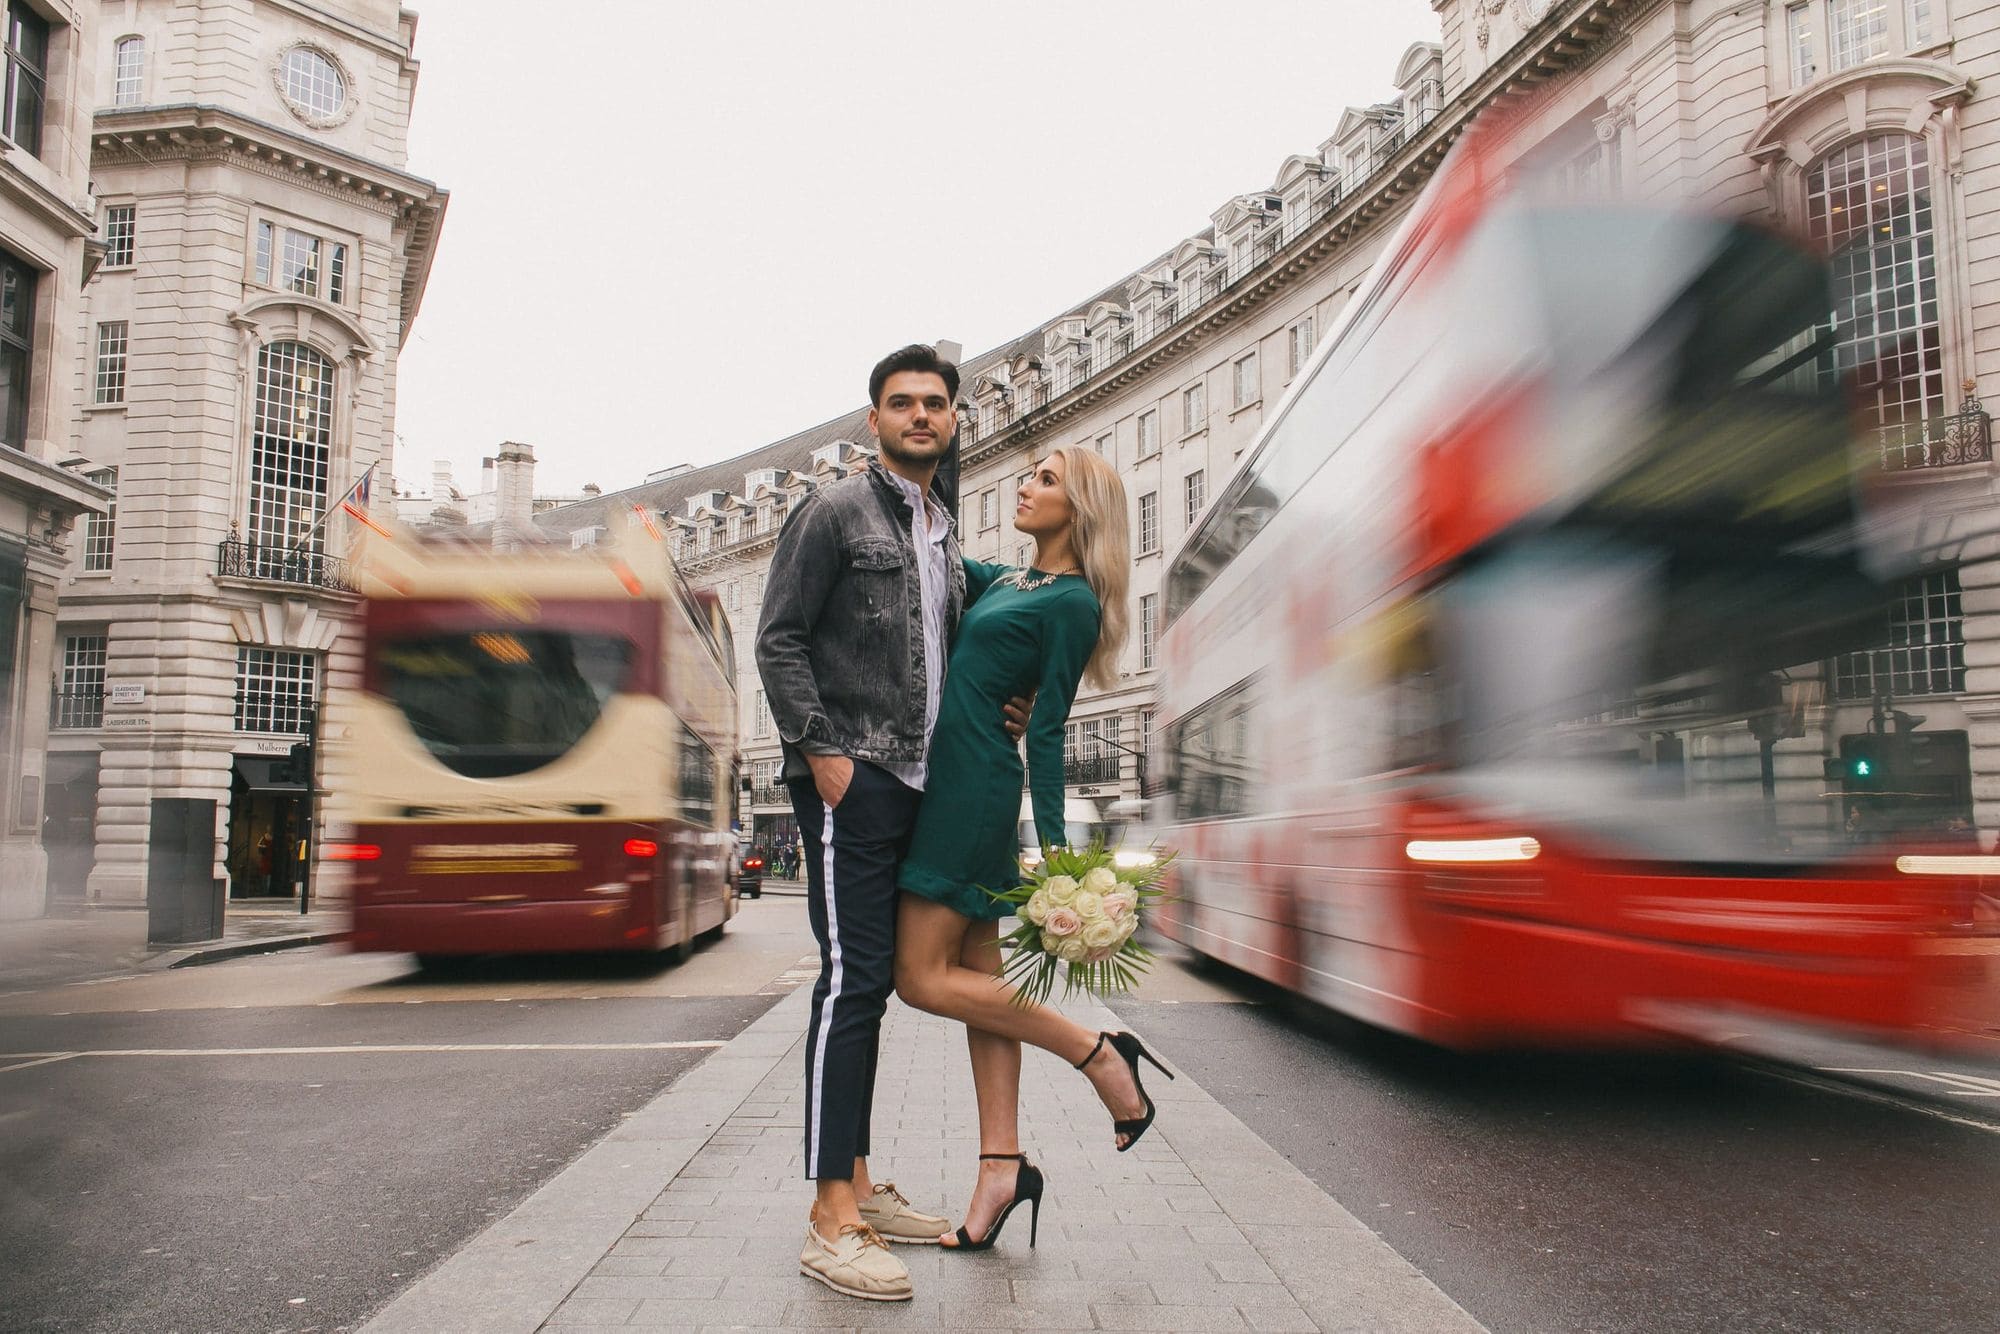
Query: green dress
x,y
1011,642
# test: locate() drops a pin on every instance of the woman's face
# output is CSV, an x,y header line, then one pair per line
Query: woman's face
x,y
1044,505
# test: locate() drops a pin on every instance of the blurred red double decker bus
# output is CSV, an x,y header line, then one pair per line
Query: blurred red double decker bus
x,y
1466,671
541,757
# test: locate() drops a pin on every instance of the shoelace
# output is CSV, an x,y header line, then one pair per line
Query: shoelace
x,y
889,1188
868,1235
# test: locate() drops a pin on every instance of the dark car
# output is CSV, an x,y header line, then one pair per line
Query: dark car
x,y
750,875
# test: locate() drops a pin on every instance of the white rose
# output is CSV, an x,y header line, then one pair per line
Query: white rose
x,y
1072,949
1036,909
1060,889
1050,942
1126,926
1101,933
1089,906
1100,880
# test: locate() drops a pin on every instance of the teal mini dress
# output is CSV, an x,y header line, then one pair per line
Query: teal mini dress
x,y
1012,641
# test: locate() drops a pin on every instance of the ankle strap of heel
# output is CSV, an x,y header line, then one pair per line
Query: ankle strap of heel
x,y
1006,1157
1102,1038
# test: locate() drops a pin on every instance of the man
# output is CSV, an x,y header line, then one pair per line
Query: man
x,y
864,592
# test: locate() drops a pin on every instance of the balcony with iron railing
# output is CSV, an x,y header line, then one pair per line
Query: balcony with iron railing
x,y
74,710
1154,323
770,796
1091,769
1966,436
238,559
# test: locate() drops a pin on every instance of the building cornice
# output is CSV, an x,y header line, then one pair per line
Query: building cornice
x,y
1570,35
202,132
52,487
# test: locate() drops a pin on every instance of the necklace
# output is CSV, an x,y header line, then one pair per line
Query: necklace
x,y
1027,585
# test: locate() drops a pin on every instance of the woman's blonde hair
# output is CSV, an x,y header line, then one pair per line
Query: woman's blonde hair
x,y
1102,541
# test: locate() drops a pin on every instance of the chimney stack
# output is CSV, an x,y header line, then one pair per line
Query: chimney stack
x,y
514,499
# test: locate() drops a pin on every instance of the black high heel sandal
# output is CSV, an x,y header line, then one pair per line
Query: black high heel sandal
x,y
1129,1047
1028,1183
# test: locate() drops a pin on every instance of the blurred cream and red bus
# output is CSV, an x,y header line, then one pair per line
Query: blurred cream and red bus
x,y
1462,669
542,754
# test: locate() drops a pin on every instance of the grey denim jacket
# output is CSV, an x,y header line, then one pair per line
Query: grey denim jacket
x,y
840,646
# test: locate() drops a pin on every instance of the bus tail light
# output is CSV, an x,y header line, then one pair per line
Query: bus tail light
x,y
641,847
353,852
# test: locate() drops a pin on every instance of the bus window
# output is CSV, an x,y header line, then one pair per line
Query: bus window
x,y
495,703
1213,768
698,769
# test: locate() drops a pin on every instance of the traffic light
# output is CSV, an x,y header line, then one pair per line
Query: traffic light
x,y
299,764
1865,762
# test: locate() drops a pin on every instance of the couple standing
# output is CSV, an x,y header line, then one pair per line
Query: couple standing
x,y
906,778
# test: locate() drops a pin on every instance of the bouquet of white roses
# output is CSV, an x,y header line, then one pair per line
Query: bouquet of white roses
x,y
1080,908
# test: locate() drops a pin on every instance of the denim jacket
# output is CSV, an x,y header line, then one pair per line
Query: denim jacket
x,y
840,646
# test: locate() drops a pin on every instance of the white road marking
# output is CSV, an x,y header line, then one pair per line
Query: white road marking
x,y
1812,1080
1965,1086
28,1058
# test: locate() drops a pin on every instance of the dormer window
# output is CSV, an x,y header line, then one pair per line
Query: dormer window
x,y
295,261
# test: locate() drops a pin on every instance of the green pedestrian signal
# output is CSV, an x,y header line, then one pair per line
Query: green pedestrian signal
x,y
1862,768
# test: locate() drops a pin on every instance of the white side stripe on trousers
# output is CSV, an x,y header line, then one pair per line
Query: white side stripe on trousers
x,y
814,1098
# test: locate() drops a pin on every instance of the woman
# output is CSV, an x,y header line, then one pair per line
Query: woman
x,y
1034,631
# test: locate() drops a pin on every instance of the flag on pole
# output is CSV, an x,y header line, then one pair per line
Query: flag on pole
x,y
355,503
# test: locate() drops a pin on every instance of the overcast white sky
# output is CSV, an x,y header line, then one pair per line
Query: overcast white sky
x,y
681,229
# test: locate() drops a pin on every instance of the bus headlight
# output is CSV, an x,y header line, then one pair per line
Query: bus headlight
x,y
1131,859
1518,849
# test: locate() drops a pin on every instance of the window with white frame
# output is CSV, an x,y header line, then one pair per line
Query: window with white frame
x,y
1925,652
989,508
1149,523
128,80
121,235
1239,257
80,691
1149,433
1149,622
313,85
1857,30
1799,44
1195,491
100,530
763,716
1868,206
1103,445
110,369
1249,385
274,690
1917,22
1299,345
1194,407
296,261
291,438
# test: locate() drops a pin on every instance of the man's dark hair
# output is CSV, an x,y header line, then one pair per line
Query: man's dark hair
x,y
920,357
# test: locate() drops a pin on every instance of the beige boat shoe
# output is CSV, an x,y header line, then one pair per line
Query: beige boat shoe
x,y
890,1214
856,1263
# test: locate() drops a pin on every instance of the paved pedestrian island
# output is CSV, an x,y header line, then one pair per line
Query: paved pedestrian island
x,y
689,1217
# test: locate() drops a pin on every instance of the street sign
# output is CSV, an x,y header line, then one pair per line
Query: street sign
x,y
125,693
131,722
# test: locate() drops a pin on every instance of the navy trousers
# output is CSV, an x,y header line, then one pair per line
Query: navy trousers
x,y
852,852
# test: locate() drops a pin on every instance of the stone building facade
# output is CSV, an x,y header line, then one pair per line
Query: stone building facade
x,y
266,250
47,217
1869,125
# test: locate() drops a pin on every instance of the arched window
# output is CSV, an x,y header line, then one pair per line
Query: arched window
x,y
289,446
128,87
1869,205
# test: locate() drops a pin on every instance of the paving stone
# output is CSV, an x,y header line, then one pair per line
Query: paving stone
x,y
593,1311
656,1286
1175,1318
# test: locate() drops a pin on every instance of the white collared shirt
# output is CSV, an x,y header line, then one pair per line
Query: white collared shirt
x,y
931,526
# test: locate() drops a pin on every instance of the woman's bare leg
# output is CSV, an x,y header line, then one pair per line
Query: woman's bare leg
x,y
930,974
996,1082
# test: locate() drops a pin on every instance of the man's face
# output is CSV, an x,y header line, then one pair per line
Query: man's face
x,y
913,422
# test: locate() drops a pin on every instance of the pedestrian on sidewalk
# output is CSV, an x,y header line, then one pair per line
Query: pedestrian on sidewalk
x,y
1035,631
863,597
